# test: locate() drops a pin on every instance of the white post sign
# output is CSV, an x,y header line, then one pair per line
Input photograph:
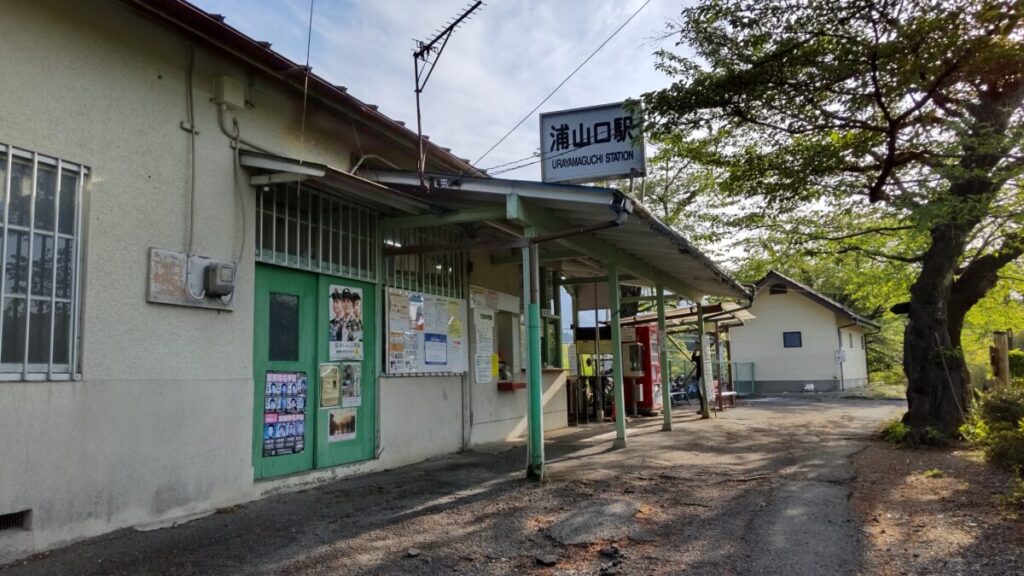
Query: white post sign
x,y
588,144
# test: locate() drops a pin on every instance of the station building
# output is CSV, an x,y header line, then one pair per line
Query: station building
x,y
224,276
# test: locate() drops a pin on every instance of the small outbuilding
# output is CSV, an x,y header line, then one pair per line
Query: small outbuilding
x,y
800,337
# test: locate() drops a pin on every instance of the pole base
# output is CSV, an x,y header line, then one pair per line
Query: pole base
x,y
666,427
534,472
618,443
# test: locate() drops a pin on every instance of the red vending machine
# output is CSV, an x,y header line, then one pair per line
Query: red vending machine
x,y
641,369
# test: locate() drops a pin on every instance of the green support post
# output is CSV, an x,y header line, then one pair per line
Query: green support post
x,y
535,413
666,393
620,393
705,409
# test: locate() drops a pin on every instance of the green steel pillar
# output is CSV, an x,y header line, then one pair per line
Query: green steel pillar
x,y
620,394
666,375
705,384
535,412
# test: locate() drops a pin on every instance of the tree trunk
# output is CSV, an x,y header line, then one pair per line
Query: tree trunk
x,y
937,376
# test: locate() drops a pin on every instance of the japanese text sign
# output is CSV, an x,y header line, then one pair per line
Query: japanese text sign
x,y
587,144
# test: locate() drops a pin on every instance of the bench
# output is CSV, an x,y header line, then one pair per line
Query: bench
x,y
722,395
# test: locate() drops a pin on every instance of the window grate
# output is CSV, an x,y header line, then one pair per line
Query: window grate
x,y
15,520
311,230
40,252
437,273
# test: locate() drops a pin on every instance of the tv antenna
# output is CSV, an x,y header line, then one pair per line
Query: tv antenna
x,y
424,59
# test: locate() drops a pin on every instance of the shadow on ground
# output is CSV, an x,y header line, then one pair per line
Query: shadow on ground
x,y
761,489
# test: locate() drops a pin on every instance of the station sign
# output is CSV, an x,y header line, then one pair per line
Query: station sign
x,y
591,144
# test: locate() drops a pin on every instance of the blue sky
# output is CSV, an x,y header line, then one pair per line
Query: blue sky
x,y
496,68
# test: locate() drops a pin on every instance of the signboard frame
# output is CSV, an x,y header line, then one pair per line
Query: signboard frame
x,y
620,169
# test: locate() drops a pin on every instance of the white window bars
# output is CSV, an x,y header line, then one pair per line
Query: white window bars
x,y
40,240
311,230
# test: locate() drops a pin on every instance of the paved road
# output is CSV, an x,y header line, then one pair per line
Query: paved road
x,y
761,489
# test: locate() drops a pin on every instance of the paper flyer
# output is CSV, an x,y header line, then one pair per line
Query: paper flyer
x,y
284,413
435,349
341,424
330,385
351,384
346,323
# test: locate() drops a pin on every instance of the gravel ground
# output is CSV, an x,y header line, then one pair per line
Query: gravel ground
x,y
936,512
764,488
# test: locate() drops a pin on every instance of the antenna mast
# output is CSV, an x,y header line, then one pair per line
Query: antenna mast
x,y
424,59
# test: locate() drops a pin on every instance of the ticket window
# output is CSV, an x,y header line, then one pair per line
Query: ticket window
x,y
509,344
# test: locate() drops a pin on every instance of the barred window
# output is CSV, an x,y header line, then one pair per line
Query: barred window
x,y
40,235
435,271
302,227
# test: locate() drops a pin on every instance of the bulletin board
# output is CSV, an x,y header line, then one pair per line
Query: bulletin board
x,y
426,333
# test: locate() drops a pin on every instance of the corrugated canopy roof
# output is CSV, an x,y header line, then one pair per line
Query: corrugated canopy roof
x,y
648,246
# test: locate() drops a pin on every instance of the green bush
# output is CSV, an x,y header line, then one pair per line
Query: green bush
x,y
996,425
1006,448
975,430
1002,408
1017,363
895,431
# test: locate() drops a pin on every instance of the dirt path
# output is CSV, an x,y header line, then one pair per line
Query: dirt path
x,y
936,512
762,489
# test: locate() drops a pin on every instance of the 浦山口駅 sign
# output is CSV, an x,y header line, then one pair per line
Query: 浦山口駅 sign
x,y
594,143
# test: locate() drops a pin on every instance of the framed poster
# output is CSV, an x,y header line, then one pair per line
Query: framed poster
x,y
426,333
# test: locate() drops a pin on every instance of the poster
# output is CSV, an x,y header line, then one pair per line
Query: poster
x,y
351,384
417,316
426,333
454,321
435,349
482,367
346,323
484,332
330,385
341,424
284,413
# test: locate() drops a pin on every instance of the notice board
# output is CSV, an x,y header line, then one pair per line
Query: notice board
x,y
426,333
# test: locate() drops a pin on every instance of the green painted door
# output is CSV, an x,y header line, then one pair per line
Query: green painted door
x,y
309,326
284,365
346,427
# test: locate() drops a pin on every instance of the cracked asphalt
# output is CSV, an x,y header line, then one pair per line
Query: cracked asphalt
x,y
763,488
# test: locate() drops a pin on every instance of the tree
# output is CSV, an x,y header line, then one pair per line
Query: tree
x,y
902,117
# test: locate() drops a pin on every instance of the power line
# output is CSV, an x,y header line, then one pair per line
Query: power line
x,y
562,83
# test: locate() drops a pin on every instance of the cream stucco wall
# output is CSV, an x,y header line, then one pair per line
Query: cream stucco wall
x,y
760,340
777,368
160,425
498,416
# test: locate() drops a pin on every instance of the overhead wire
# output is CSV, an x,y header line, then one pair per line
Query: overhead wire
x,y
562,83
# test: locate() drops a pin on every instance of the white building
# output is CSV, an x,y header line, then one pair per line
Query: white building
x,y
798,337
367,316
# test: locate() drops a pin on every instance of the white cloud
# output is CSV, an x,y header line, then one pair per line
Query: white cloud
x,y
496,67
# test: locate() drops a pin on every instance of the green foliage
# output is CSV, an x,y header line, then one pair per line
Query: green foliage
x,y
975,430
847,137
895,431
933,473
996,425
1005,448
1002,408
1017,363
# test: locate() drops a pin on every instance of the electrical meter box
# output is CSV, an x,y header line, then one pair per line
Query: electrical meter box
x,y
220,279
